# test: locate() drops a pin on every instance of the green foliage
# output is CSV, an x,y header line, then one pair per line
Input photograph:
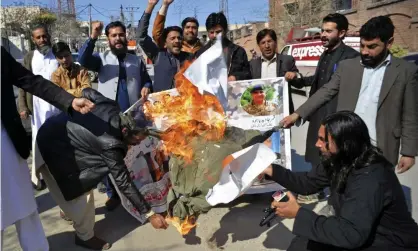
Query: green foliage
x,y
46,19
398,51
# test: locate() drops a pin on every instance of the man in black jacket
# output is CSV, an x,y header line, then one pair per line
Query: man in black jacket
x,y
235,56
272,64
79,152
16,190
369,210
334,29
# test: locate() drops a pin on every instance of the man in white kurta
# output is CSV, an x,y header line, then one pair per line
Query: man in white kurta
x,y
17,203
43,65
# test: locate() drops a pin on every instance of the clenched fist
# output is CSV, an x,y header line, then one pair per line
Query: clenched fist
x,y
158,221
96,30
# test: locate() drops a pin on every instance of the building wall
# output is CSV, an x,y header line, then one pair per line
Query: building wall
x,y
404,14
246,36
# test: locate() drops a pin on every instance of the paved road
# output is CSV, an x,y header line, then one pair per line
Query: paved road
x,y
231,227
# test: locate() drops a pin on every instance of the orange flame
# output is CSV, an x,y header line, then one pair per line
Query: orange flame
x,y
190,114
183,227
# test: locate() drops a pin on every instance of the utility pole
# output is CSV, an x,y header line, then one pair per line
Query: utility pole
x,y
195,12
90,19
131,10
122,16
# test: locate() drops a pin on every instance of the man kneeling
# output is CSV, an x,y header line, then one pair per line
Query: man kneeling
x,y
79,151
369,207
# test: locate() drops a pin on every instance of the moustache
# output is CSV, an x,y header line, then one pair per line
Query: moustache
x,y
324,39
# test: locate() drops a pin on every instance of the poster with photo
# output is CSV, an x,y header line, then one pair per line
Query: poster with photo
x,y
260,104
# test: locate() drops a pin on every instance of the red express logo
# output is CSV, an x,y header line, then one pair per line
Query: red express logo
x,y
311,51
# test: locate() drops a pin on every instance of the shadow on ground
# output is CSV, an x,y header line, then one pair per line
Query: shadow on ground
x,y
242,221
110,228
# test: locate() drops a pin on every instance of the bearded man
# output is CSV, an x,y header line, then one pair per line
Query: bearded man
x,y
368,206
40,61
121,75
380,88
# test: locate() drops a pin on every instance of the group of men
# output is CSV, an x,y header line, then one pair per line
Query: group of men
x,y
366,198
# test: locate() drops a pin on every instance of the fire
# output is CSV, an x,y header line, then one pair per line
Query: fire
x,y
184,227
190,114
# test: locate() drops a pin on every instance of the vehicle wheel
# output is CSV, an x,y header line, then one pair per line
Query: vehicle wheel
x,y
92,76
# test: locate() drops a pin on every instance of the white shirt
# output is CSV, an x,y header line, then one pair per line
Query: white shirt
x,y
268,67
368,100
43,65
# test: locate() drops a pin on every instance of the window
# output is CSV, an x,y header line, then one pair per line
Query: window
x,y
342,4
292,8
285,50
238,33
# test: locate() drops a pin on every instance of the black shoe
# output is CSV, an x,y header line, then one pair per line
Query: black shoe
x,y
42,186
112,203
93,243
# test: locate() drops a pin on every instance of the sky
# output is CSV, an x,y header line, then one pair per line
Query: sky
x,y
240,11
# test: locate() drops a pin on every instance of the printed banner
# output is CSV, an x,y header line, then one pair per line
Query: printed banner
x,y
261,104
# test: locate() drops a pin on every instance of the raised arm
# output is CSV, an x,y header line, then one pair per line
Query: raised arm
x,y
86,56
159,22
145,41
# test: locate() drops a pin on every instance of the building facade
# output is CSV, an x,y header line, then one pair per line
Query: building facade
x,y
298,13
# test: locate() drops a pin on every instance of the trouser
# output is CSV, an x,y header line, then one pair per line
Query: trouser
x,y
30,233
80,210
110,188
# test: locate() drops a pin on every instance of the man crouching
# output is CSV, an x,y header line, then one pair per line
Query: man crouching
x,y
82,149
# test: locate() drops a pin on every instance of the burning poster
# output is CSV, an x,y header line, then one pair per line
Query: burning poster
x,y
148,168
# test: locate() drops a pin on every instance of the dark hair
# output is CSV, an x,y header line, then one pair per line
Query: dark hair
x,y
114,25
170,29
215,19
39,26
189,20
354,147
378,27
266,32
339,19
59,48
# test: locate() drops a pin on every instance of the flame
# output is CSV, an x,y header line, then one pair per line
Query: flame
x,y
190,114
185,226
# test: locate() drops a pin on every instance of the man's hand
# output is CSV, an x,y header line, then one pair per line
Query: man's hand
x,y
158,221
289,76
268,171
96,30
144,93
153,2
168,2
232,78
287,209
82,105
24,114
289,120
405,163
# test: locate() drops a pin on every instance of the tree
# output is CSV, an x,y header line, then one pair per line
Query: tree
x,y
17,19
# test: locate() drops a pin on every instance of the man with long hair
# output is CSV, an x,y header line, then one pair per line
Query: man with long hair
x,y
369,210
